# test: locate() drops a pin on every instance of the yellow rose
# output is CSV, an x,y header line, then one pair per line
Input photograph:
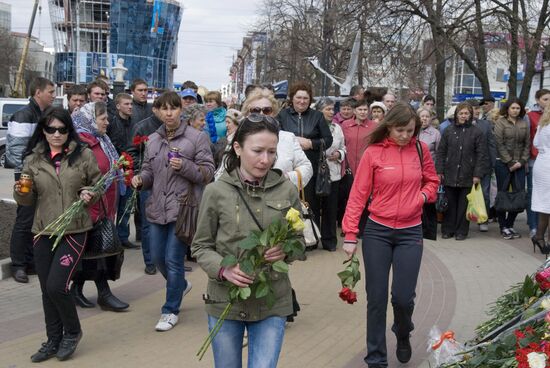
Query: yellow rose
x,y
293,218
545,303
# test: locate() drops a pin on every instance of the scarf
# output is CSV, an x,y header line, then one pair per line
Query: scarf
x,y
84,121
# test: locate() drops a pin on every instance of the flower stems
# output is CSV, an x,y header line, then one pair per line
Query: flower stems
x,y
214,331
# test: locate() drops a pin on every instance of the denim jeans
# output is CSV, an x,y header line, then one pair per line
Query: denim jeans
x,y
400,250
145,231
507,219
532,217
123,228
168,254
265,339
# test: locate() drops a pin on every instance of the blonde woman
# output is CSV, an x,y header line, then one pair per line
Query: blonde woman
x,y
540,200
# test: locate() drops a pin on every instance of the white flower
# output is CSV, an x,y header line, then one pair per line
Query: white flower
x,y
545,303
536,360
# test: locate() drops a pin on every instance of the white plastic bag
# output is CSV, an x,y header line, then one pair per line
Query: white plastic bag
x,y
443,348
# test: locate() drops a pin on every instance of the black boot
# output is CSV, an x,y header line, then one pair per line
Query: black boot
x,y
106,299
79,298
68,346
48,350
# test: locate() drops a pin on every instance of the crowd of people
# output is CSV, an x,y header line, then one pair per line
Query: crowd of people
x,y
246,166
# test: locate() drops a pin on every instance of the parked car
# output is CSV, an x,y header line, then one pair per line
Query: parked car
x,y
8,106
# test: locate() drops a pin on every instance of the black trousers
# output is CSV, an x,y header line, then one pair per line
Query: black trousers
x,y
21,239
55,269
400,250
455,221
343,194
329,212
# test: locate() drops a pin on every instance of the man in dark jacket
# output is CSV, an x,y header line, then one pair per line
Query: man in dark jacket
x,y
20,129
140,108
143,129
119,131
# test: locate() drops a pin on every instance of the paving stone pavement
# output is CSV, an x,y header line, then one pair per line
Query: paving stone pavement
x,y
457,281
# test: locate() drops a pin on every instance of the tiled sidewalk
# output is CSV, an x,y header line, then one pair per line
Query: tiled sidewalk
x,y
457,281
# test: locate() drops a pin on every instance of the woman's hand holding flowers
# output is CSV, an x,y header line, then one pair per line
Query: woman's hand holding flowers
x,y
274,254
237,277
86,196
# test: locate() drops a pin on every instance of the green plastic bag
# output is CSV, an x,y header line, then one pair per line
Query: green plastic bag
x,y
476,211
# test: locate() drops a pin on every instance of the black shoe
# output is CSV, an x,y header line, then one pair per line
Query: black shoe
x,y
460,237
404,351
150,269
48,350
20,275
128,245
330,249
111,303
309,248
541,244
447,236
68,346
79,298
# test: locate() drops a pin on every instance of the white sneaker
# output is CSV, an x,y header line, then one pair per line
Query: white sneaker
x,y
484,227
188,288
166,322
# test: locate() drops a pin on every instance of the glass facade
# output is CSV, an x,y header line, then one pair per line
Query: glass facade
x,y
143,33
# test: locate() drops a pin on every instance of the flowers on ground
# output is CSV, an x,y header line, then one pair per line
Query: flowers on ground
x,y
284,234
349,278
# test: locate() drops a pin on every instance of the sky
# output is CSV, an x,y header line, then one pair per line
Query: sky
x,y
210,35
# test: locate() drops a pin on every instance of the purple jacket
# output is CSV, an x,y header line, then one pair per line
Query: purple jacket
x,y
168,185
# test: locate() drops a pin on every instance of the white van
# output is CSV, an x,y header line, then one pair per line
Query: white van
x,y
8,106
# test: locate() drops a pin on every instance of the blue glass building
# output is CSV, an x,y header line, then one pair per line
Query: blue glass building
x,y
91,35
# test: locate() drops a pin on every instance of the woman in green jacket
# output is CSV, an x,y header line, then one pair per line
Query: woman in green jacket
x,y
224,221
62,171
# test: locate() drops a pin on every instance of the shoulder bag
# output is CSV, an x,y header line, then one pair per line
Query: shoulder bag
x,y
429,214
312,234
511,200
103,240
186,222
322,181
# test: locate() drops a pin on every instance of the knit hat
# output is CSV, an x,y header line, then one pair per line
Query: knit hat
x,y
380,105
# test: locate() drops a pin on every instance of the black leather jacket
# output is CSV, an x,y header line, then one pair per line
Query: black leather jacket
x,y
120,133
310,124
462,154
141,111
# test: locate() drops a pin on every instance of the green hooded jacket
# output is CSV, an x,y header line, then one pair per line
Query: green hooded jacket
x,y
224,222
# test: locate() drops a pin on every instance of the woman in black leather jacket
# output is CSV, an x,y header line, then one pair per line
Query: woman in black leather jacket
x,y
312,131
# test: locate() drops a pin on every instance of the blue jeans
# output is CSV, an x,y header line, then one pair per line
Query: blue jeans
x,y
168,254
123,228
145,241
265,339
507,219
532,217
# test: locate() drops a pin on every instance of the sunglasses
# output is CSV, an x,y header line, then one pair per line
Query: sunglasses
x,y
261,110
52,130
258,118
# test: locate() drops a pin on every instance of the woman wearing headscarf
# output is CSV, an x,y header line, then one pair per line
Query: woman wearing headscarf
x,y
91,124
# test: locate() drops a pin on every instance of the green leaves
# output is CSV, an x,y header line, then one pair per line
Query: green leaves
x,y
351,274
280,266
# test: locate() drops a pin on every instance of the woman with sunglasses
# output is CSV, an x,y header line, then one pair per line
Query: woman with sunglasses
x,y
313,134
91,123
62,171
291,159
249,181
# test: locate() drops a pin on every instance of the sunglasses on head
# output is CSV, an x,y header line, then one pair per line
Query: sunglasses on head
x,y
52,130
261,110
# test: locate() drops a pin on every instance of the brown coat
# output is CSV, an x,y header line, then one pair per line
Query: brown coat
x,y
168,185
512,141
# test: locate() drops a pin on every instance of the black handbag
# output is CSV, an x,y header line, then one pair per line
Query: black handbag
x,y
511,201
186,222
322,181
103,240
429,214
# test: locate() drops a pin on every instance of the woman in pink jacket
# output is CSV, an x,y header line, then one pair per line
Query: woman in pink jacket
x,y
395,177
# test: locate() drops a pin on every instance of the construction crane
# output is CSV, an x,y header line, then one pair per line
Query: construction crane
x,y
18,90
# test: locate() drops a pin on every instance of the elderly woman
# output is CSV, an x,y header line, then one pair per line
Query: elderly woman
x,y
428,134
91,124
177,160
336,154
62,171
462,160
312,131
